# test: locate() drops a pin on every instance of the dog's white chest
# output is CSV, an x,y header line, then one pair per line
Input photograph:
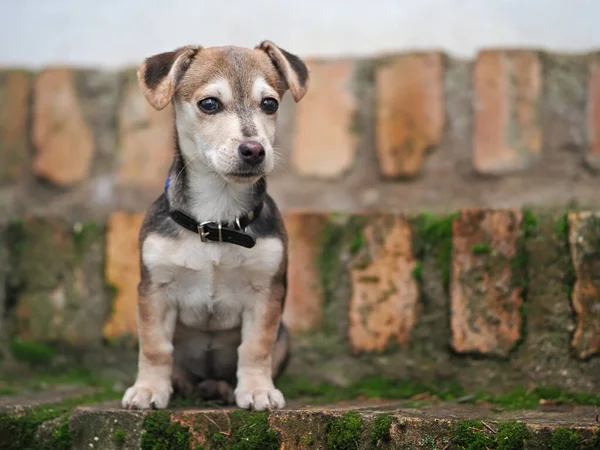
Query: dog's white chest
x,y
211,283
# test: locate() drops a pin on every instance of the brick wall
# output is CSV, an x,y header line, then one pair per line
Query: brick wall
x,y
399,132
491,299
493,296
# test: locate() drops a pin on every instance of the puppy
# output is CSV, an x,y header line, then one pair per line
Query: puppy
x,y
213,245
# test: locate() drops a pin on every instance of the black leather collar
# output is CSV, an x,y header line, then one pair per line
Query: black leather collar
x,y
220,231
232,233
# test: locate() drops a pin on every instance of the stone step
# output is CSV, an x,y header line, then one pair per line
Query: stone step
x,y
355,425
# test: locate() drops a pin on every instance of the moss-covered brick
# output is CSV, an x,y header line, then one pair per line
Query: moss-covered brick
x,y
486,297
511,436
33,353
563,439
349,426
160,433
56,281
343,433
119,438
252,431
472,435
381,429
584,240
433,235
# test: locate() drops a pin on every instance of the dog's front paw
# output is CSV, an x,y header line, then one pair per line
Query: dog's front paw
x,y
259,399
147,396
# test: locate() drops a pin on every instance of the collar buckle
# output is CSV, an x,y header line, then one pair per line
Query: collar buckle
x,y
203,232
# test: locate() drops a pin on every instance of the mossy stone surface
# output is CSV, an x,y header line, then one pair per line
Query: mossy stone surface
x,y
58,297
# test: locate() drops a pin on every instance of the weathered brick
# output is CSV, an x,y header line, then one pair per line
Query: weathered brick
x,y
410,112
123,272
507,134
146,138
324,144
15,87
63,142
56,275
385,295
485,299
303,305
593,110
584,240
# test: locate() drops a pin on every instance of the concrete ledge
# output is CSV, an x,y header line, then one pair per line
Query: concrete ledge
x,y
362,426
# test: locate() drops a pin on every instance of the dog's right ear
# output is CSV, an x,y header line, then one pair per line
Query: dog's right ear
x,y
159,75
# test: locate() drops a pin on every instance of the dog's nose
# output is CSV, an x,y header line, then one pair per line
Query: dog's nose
x,y
252,152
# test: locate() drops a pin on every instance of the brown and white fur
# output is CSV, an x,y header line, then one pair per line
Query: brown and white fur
x,y
209,313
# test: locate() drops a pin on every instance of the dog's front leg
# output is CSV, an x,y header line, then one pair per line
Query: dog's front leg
x,y
260,322
156,324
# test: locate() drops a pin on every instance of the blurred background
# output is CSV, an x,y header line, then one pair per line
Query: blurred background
x,y
113,34
471,127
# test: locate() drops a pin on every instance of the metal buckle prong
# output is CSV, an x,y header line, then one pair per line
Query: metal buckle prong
x,y
220,232
239,225
202,232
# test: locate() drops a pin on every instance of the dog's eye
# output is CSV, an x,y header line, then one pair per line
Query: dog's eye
x,y
209,105
269,105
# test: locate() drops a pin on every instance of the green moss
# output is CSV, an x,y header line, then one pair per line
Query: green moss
x,y
471,435
84,234
18,432
511,436
561,230
434,235
7,391
356,244
381,429
16,238
159,433
339,234
328,262
31,352
530,222
370,388
344,433
564,439
481,249
417,273
251,431
61,437
520,266
394,389
119,438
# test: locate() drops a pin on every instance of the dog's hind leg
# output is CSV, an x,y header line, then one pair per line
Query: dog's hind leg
x,y
281,351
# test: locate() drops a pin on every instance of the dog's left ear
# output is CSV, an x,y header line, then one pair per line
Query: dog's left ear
x,y
159,75
292,69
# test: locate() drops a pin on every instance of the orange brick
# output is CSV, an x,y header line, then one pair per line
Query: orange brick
x,y
484,299
15,87
593,110
584,235
507,134
303,304
123,272
410,112
385,295
146,138
64,144
324,144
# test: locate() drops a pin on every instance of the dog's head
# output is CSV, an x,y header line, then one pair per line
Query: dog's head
x,y
226,101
